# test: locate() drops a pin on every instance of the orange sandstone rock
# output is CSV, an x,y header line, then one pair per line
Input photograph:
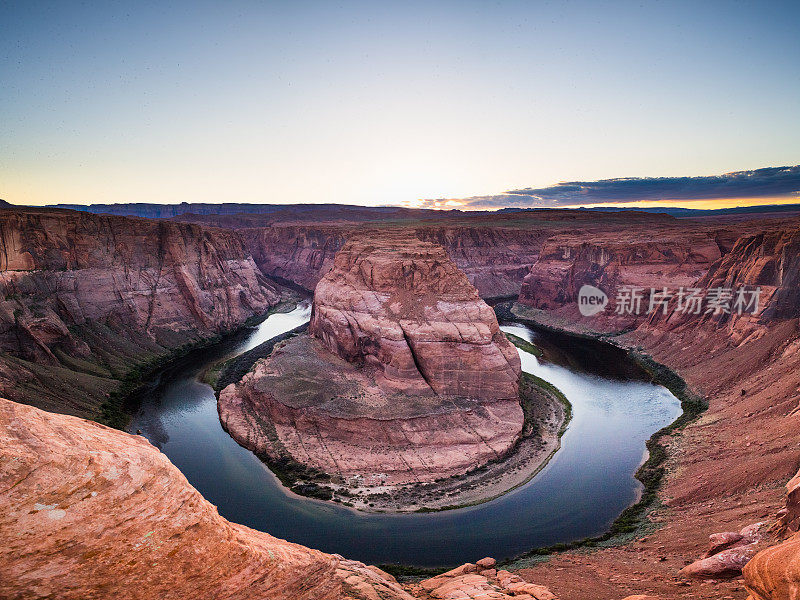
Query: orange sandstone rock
x,y
774,573
92,512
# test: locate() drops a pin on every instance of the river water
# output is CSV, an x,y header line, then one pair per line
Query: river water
x,y
585,486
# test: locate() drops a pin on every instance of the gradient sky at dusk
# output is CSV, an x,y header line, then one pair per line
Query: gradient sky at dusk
x,y
385,103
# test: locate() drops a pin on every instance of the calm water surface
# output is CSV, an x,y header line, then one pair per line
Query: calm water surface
x,y
586,485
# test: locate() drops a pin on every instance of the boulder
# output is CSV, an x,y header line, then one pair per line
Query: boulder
x,y
774,573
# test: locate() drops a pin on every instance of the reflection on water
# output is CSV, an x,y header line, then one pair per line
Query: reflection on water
x,y
581,491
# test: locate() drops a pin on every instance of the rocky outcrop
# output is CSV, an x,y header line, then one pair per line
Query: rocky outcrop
x,y
789,516
727,555
774,573
91,512
83,298
481,581
401,305
769,260
407,377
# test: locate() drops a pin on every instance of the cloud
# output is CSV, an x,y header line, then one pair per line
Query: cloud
x,y
767,182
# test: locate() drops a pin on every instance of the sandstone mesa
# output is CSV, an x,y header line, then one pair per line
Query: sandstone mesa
x,y
409,377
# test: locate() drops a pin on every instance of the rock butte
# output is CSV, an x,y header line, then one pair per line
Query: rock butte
x,y
428,388
401,305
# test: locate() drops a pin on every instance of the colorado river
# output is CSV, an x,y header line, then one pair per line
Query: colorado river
x,y
585,486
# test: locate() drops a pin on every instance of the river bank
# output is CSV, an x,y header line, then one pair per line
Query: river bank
x,y
633,522
260,424
583,487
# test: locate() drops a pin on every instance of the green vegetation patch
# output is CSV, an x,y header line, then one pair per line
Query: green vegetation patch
x,y
524,345
632,521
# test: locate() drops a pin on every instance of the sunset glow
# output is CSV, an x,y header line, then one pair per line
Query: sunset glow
x,y
386,104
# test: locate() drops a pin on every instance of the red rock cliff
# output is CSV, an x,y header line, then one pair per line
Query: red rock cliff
x,y
401,304
612,260
495,260
93,295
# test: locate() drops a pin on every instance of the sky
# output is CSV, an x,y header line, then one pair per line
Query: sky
x,y
431,103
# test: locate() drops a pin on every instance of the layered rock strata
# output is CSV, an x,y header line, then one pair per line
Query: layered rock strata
x,y
85,297
725,470
401,305
495,260
614,262
407,377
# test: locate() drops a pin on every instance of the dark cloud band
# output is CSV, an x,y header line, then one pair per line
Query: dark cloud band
x,y
768,182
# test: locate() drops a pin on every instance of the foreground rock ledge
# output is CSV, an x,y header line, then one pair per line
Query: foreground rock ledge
x,y
91,512
406,379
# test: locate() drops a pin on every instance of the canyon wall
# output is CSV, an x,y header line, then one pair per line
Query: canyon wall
x,y
495,260
301,254
83,298
610,261
725,470
64,349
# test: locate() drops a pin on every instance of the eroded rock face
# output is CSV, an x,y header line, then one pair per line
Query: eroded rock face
x,y
774,573
495,259
407,377
321,411
789,519
769,260
473,582
401,304
300,253
91,512
84,297
609,262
